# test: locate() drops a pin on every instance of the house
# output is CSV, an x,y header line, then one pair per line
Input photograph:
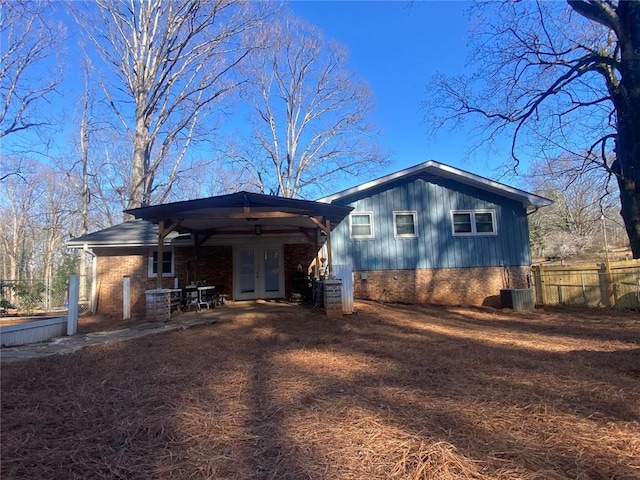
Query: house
x,y
247,244
427,234
433,233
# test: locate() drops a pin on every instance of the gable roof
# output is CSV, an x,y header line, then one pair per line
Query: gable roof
x,y
233,214
433,169
134,233
233,210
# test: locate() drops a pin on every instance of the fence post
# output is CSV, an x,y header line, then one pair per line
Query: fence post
x,y
74,298
539,282
560,298
47,293
609,277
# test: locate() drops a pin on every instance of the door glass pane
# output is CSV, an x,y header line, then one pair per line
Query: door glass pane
x,y
271,269
246,265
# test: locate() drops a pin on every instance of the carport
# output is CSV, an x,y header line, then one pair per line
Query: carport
x,y
251,244
243,217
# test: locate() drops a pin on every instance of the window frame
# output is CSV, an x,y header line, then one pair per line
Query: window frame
x,y
150,263
474,224
361,213
414,214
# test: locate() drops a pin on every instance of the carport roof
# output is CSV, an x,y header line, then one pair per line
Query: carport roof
x,y
224,212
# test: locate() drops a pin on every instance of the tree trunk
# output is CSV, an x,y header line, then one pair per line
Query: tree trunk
x,y
626,98
630,211
137,193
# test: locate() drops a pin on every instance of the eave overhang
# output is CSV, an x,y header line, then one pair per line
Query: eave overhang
x,y
238,213
435,169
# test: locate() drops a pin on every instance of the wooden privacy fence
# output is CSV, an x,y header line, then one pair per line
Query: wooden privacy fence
x,y
613,284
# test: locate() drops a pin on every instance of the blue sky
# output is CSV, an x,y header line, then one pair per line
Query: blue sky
x,y
397,46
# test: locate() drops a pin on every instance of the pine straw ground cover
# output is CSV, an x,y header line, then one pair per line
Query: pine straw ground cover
x,y
391,392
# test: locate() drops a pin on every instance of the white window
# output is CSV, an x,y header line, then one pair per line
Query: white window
x,y
404,224
473,222
167,263
361,225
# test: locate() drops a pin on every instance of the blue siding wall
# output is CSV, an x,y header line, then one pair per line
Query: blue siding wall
x,y
435,245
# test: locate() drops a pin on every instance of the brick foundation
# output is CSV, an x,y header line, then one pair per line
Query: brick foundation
x,y
447,286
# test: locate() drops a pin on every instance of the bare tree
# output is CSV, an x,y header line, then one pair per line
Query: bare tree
x,y
18,198
309,113
38,213
56,209
573,223
29,70
173,61
86,129
558,77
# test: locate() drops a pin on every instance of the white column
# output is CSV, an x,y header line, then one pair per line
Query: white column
x,y
74,298
126,297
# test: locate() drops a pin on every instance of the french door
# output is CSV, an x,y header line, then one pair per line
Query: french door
x,y
258,273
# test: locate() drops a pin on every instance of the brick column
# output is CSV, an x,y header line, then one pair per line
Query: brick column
x,y
332,297
158,305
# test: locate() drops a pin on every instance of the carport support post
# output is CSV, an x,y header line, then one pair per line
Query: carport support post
x,y
162,233
326,228
160,264
74,298
329,259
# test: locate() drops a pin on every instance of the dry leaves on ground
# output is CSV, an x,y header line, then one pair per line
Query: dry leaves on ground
x,y
407,392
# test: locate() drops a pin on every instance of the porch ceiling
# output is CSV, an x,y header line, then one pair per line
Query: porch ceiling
x,y
241,212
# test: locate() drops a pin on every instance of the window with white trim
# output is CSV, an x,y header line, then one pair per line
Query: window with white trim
x,y
473,222
361,225
167,263
404,224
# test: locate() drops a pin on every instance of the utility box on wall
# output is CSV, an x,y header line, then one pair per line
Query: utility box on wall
x,y
518,299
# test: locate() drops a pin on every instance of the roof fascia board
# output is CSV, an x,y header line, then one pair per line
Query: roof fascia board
x,y
105,244
375,183
245,202
452,173
491,185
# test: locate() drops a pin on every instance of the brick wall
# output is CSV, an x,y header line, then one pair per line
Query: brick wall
x,y
113,264
294,255
214,265
448,286
211,265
